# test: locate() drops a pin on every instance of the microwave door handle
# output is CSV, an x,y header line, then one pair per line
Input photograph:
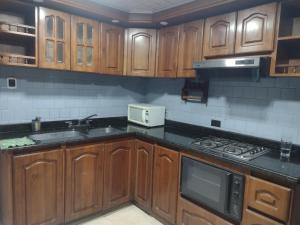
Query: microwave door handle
x,y
144,116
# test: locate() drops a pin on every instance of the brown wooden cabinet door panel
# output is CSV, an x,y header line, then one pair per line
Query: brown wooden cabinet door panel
x,y
143,174
141,49
256,29
219,35
167,50
111,49
165,183
269,198
252,218
190,47
191,214
54,39
117,175
84,180
84,44
39,188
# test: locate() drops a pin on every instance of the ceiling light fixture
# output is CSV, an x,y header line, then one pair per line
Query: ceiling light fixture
x,y
115,21
164,23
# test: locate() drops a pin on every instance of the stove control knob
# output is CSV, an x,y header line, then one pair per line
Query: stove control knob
x,y
236,183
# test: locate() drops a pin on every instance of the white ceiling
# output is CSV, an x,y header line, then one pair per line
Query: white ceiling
x,y
141,6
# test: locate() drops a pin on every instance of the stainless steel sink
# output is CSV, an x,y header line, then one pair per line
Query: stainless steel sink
x,y
56,135
103,130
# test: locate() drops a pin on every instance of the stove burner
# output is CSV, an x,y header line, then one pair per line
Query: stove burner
x,y
229,147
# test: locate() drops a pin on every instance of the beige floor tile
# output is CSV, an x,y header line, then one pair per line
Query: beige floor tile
x,y
130,215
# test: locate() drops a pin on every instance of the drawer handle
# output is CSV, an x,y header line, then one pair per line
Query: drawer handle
x,y
266,197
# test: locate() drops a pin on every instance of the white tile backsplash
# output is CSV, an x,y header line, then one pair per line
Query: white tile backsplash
x,y
269,108
55,95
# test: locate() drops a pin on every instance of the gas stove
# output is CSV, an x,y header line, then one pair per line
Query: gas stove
x,y
231,148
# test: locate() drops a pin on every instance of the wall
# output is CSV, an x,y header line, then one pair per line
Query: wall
x,y
269,109
55,95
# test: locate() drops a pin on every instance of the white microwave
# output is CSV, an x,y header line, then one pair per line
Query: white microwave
x,y
146,115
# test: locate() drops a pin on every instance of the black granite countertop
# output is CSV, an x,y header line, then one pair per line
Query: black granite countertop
x,y
174,135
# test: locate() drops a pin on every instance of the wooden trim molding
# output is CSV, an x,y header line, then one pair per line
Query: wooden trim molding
x,y
183,13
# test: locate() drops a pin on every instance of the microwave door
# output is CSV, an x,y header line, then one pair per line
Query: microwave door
x,y
205,184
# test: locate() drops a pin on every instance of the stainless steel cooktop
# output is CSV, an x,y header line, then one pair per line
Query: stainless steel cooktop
x,y
232,148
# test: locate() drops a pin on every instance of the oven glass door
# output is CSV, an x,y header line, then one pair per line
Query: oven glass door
x,y
205,184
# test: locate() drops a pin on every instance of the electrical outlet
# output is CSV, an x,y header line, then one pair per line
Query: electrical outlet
x,y
11,83
215,123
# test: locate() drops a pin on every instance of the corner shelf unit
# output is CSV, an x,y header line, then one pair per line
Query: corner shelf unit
x,y
18,36
286,57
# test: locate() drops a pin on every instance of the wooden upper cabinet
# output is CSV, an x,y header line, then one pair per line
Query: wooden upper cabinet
x,y
167,50
191,214
269,198
219,35
84,44
117,173
190,47
165,183
84,181
111,49
39,188
141,52
54,39
256,29
143,174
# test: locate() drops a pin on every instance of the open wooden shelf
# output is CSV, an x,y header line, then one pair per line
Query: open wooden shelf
x,y
18,34
19,60
290,38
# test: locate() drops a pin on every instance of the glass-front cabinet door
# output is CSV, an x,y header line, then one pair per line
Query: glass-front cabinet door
x,y
84,44
54,39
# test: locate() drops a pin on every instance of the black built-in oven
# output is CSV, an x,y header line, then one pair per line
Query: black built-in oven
x,y
215,188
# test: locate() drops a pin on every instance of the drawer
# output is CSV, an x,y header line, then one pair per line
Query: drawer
x,y
252,218
191,214
269,198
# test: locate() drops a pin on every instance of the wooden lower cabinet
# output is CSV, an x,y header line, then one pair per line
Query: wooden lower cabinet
x,y
191,214
84,180
117,173
269,198
165,183
252,218
39,188
143,174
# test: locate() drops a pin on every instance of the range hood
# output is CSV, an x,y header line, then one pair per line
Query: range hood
x,y
259,66
230,63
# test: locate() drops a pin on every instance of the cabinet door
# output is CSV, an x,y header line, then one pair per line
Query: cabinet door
x,y
111,49
167,51
219,35
39,188
84,180
143,174
54,39
256,29
117,175
84,44
190,47
141,49
252,218
191,214
165,183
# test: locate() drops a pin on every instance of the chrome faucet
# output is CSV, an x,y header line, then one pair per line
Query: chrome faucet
x,y
85,120
82,123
